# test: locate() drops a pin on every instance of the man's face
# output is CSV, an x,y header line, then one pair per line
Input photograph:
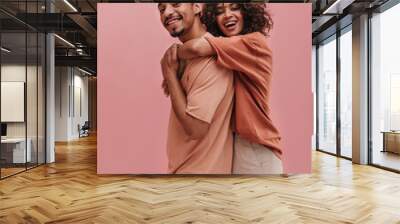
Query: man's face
x,y
177,17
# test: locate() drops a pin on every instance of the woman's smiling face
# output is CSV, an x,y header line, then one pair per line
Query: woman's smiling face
x,y
229,19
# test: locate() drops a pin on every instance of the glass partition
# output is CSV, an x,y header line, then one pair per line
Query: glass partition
x,y
14,153
22,89
32,95
41,87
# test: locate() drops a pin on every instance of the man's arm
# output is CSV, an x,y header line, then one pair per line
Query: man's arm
x,y
194,127
181,70
198,47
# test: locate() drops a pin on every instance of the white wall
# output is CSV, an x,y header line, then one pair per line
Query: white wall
x,y
12,73
70,84
16,73
62,81
79,117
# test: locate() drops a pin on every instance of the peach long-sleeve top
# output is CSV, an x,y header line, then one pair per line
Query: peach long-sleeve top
x,y
251,58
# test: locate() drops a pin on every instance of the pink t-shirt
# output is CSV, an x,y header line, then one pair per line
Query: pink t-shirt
x,y
209,91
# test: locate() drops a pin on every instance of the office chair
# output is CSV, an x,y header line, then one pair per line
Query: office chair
x,y
84,130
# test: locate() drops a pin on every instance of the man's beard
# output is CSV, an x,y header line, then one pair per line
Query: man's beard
x,y
179,33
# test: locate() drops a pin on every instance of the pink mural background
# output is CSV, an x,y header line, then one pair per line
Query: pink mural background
x,y
133,112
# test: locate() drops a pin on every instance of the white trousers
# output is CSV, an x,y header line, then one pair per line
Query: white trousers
x,y
253,158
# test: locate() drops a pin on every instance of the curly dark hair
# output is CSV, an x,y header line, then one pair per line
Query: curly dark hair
x,y
255,18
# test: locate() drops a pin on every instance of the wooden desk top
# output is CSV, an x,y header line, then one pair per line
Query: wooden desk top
x,y
391,132
14,140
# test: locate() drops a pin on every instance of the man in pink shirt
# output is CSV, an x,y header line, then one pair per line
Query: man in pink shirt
x,y
199,133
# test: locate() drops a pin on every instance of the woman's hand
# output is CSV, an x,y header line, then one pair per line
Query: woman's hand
x,y
164,86
169,66
170,63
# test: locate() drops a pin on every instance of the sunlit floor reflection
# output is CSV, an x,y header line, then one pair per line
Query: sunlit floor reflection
x,y
387,159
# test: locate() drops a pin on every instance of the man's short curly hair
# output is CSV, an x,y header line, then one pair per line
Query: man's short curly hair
x,y
255,18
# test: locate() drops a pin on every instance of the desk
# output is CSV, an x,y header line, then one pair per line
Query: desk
x,y
391,141
13,150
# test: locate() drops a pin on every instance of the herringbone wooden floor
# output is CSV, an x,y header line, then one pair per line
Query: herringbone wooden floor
x,y
69,191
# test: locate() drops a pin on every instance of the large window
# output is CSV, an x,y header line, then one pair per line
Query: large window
x,y
334,65
327,95
346,93
385,88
